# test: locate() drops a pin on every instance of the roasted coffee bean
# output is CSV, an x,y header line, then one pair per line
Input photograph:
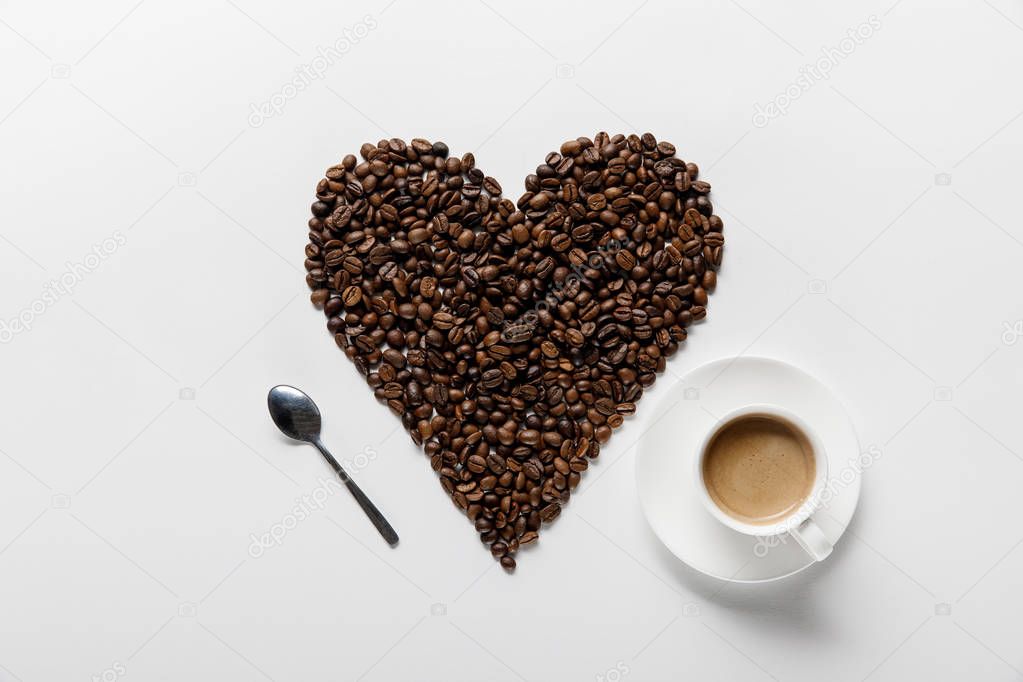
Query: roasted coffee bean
x,y
550,512
512,337
529,437
626,260
351,296
492,186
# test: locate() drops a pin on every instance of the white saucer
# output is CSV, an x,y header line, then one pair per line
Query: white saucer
x,y
665,470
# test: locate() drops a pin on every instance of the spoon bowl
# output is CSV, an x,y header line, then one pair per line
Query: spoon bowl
x,y
294,413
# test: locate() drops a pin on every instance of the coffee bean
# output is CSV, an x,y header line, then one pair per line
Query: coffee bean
x,y
561,243
394,358
492,378
477,464
351,296
492,186
529,437
550,512
626,260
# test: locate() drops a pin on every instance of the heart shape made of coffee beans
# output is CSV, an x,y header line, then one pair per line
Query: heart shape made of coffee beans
x,y
512,338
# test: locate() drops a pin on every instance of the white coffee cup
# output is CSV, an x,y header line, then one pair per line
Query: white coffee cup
x,y
800,523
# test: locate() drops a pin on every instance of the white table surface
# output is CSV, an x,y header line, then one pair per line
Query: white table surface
x,y
873,238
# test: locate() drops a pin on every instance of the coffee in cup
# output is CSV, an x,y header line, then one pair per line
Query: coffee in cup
x,y
761,471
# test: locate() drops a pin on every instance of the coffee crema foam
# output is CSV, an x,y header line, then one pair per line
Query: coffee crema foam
x,y
759,469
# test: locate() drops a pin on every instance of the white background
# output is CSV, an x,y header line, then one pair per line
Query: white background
x,y
136,457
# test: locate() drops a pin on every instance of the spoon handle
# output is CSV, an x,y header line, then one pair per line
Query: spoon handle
x,y
371,511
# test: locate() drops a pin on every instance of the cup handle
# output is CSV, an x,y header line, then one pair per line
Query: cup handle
x,y
811,538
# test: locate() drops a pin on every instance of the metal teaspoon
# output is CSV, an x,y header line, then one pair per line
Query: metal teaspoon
x,y
297,416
